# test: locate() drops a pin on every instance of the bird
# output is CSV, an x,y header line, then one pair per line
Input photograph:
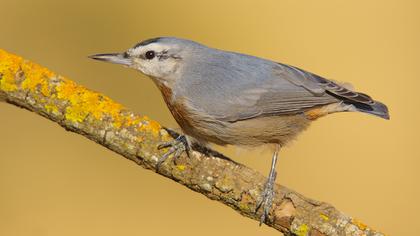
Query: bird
x,y
228,98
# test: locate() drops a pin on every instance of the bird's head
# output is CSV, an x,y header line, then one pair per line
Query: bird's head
x,y
159,58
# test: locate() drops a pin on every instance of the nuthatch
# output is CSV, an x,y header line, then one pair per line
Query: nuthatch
x,y
229,98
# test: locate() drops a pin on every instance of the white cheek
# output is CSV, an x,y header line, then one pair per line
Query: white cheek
x,y
163,69
143,66
170,67
155,68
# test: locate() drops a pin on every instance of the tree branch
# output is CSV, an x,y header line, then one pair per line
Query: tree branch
x,y
135,137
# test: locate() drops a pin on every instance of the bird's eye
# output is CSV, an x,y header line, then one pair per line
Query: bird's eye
x,y
150,55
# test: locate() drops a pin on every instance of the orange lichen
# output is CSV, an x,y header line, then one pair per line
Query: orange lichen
x,y
154,126
150,125
132,120
66,89
359,224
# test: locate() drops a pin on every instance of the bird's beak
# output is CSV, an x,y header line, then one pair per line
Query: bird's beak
x,y
116,58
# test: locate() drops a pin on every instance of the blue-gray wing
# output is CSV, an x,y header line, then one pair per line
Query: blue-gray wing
x,y
319,85
239,88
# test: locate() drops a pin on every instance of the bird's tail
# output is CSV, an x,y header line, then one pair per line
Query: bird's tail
x,y
377,109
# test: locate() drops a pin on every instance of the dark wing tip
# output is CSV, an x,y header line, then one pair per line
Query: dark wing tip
x,y
377,108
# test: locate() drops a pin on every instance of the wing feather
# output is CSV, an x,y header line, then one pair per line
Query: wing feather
x,y
247,87
309,81
304,91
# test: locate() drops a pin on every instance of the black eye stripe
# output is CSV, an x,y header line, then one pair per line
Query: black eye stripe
x,y
149,55
163,55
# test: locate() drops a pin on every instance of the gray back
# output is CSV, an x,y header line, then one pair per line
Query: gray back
x,y
231,86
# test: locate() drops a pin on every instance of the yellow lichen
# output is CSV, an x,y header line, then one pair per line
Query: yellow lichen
x,y
359,224
244,207
302,230
75,113
7,84
9,66
180,167
51,108
324,217
17,73
36,76
84,102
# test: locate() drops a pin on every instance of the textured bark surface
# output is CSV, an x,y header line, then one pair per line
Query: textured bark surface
x,y
135,137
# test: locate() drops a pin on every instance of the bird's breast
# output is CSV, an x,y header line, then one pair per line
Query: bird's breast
x,y
194,123
177,107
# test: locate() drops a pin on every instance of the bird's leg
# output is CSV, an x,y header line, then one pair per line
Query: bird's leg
x,y
268,193
177,147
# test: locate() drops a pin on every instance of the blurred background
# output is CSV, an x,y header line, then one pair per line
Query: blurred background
x,y
53,182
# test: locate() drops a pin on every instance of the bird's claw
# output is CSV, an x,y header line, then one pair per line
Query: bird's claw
x,y
267,197
176,147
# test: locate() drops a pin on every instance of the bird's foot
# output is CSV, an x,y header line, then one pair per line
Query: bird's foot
x,y
176,147
267,197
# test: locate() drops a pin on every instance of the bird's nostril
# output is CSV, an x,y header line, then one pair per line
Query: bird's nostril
x,y
125,55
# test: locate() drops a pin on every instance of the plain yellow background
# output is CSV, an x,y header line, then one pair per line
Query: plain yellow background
x,y
53,182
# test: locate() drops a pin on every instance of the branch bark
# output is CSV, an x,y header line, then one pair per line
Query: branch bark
x,y
97,117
